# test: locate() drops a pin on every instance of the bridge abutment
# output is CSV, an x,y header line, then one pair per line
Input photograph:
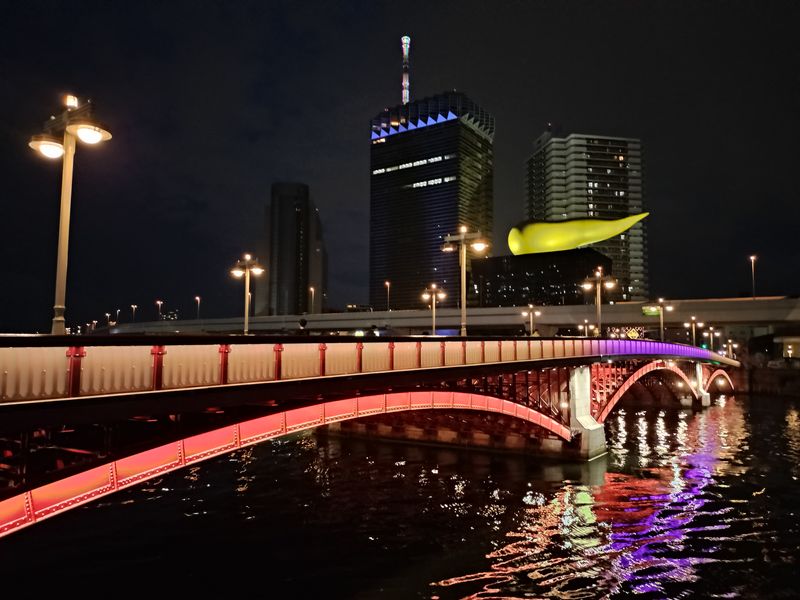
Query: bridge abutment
x,y
589,433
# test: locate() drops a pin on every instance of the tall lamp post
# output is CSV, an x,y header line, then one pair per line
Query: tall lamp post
x,y
197,300
661,308
311,291
530,313
388,285
599,282
133,312
433,293
459,241
108,319
694,324
117,315
244,266
158,307
710,335
57,141
753,274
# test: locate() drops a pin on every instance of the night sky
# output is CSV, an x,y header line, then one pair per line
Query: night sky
x,y
209,103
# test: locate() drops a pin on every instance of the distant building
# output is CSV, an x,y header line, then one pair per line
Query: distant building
x,y
431,165
591,176
296,260
543,279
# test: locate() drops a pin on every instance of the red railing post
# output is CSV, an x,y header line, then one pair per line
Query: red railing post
x,y
483,351
322,348
278,350
391,356
464,352
74,354
158,353
224,350
359,357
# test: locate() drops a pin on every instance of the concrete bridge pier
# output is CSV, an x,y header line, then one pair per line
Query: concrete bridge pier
x,y
705,397
592,435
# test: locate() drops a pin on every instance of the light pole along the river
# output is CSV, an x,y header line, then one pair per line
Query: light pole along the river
x,y
59,140
244,266
478,244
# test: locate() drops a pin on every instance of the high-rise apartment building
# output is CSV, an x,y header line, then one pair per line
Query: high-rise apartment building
x,y
431,165
296,260
591,176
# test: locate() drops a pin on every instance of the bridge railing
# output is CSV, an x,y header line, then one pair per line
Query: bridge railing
x,y
106,366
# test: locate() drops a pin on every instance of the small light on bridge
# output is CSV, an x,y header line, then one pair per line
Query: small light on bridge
x,y
720,381
564,404
680,384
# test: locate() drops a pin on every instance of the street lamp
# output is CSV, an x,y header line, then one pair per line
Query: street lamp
x,y
530,313
478,245
694,324
753,273
117,315
133,312
710,335
433,293
244,266
197,300
108,319
600,281
661,308
311,291
158,306
388,285
57,141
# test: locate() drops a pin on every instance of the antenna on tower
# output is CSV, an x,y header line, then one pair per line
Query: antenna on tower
x,y
406,42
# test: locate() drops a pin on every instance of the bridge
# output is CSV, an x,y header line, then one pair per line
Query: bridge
x,y
548,395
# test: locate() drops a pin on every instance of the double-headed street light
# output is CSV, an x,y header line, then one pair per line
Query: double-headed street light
x,y
661,308
433,294
57,141
710,334
694,324
459,242
133,312
530,313
244,266
599,282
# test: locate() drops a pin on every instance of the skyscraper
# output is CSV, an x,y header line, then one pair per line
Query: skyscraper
x,y
296,260
591,176
431,164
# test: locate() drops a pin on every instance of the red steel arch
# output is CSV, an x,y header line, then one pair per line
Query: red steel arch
x,y
53,498
636,376
714,375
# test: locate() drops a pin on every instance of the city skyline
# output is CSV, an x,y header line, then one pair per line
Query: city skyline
x,y
162,210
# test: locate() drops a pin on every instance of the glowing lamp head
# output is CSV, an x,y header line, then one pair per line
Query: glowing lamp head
x,y
237,272
610,285
47,145
587,286
670,308
258,271
88,132
479,246
426,296
70,101
448,247
537,313
441,295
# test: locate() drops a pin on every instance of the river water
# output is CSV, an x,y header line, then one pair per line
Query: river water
x,y
686,504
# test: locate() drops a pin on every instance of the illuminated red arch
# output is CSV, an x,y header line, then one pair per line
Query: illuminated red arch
x,y
714,375
56,497
636,376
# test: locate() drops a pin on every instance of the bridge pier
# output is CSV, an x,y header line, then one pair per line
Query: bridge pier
x,y
705,397
592,435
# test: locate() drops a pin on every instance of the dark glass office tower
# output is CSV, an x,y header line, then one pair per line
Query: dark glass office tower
x,y
296,260
431,167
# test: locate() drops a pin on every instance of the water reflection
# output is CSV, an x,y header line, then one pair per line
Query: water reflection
x,y
643,531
